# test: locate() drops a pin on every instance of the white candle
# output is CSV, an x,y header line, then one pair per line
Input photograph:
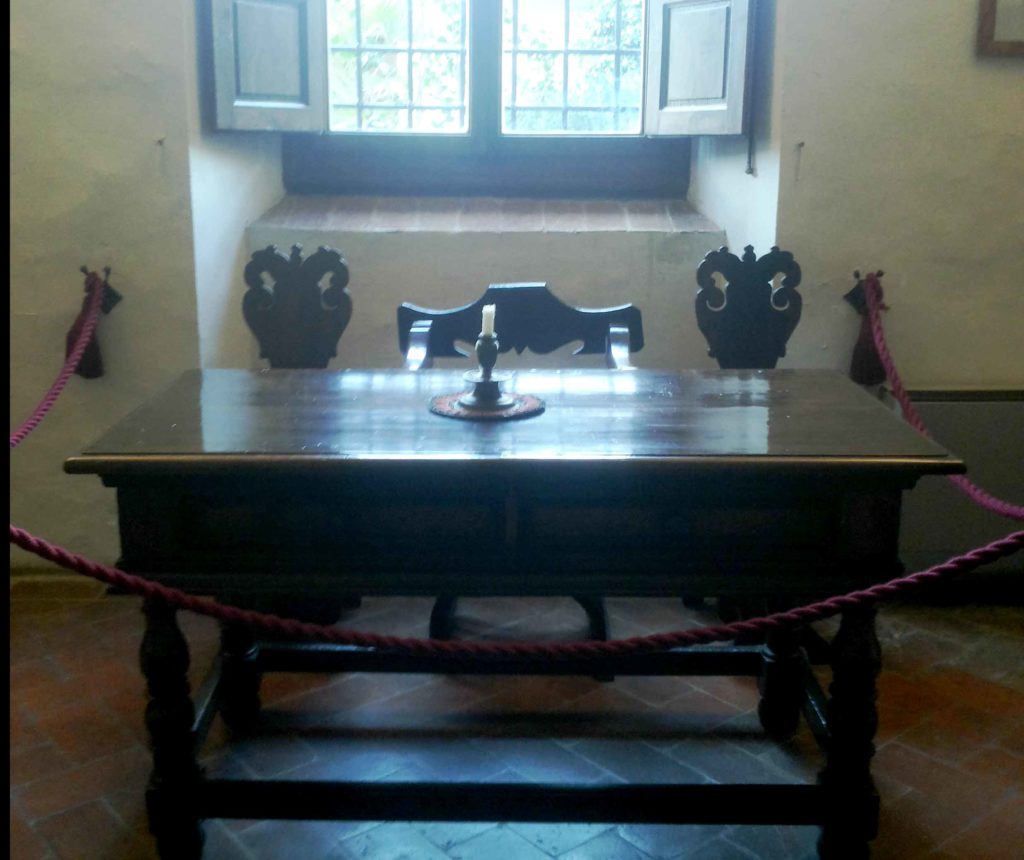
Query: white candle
x,y
487,325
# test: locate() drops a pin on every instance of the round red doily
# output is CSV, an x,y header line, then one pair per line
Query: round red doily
x,y
523,406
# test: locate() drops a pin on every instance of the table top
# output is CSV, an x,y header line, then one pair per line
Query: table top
x,y
294,419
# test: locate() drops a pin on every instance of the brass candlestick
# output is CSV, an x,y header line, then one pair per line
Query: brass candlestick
x,y
486,392
485,401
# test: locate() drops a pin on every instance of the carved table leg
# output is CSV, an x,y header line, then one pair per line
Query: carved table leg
x,y
852,817
442,617
174,781
241,677
781,683
598,618
596,615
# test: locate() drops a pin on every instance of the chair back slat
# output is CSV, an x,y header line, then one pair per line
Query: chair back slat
x,y
527,316
747,325
297,324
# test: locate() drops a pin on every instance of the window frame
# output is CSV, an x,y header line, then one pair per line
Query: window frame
x,y
418,165
269,73
485,160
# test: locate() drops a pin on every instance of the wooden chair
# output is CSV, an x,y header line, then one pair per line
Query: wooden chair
x,y
747,326
531,317
298,326
528,316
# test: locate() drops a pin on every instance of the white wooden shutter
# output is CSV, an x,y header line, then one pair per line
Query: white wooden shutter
x,y
270,64
698,55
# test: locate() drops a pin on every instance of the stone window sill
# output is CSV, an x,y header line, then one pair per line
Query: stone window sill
x,y
482,215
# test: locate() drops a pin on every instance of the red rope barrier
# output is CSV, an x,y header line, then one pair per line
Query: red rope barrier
x,y
93,283
295,629
873,295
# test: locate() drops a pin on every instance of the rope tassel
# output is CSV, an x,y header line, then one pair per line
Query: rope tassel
x,y
90,365
865,365
90,317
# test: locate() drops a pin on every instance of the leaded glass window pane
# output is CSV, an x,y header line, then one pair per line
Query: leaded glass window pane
x,y
398,65
580,60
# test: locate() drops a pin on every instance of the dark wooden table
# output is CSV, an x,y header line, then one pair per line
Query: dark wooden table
x,y
260,486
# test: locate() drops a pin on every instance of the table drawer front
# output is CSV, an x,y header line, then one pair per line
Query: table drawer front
x,y
188,526
655,528
491,540
344,529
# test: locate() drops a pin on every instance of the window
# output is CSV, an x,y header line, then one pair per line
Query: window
x,y
567,66
535,97
572,67
398,66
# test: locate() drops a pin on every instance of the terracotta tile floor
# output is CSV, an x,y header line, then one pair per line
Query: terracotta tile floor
x,y
950,762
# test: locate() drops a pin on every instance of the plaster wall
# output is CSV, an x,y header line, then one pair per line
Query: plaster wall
x,y
112,163
902,150
233,179
734,185
231,186
99,176
884,142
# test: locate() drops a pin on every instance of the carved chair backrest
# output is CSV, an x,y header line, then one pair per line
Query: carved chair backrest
x,y
297,324
747,325
527,316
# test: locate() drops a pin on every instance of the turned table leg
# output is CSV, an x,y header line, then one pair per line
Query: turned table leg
x,y
174,781
240,681
442,617
596,616
852,817
781,682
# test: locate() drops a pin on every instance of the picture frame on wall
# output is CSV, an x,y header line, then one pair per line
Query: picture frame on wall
x,y
1001,28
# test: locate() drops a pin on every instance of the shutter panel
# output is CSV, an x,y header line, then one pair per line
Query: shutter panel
x,y
270,64
697,66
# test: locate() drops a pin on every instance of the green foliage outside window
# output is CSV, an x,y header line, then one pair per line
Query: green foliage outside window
x,y
400,65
